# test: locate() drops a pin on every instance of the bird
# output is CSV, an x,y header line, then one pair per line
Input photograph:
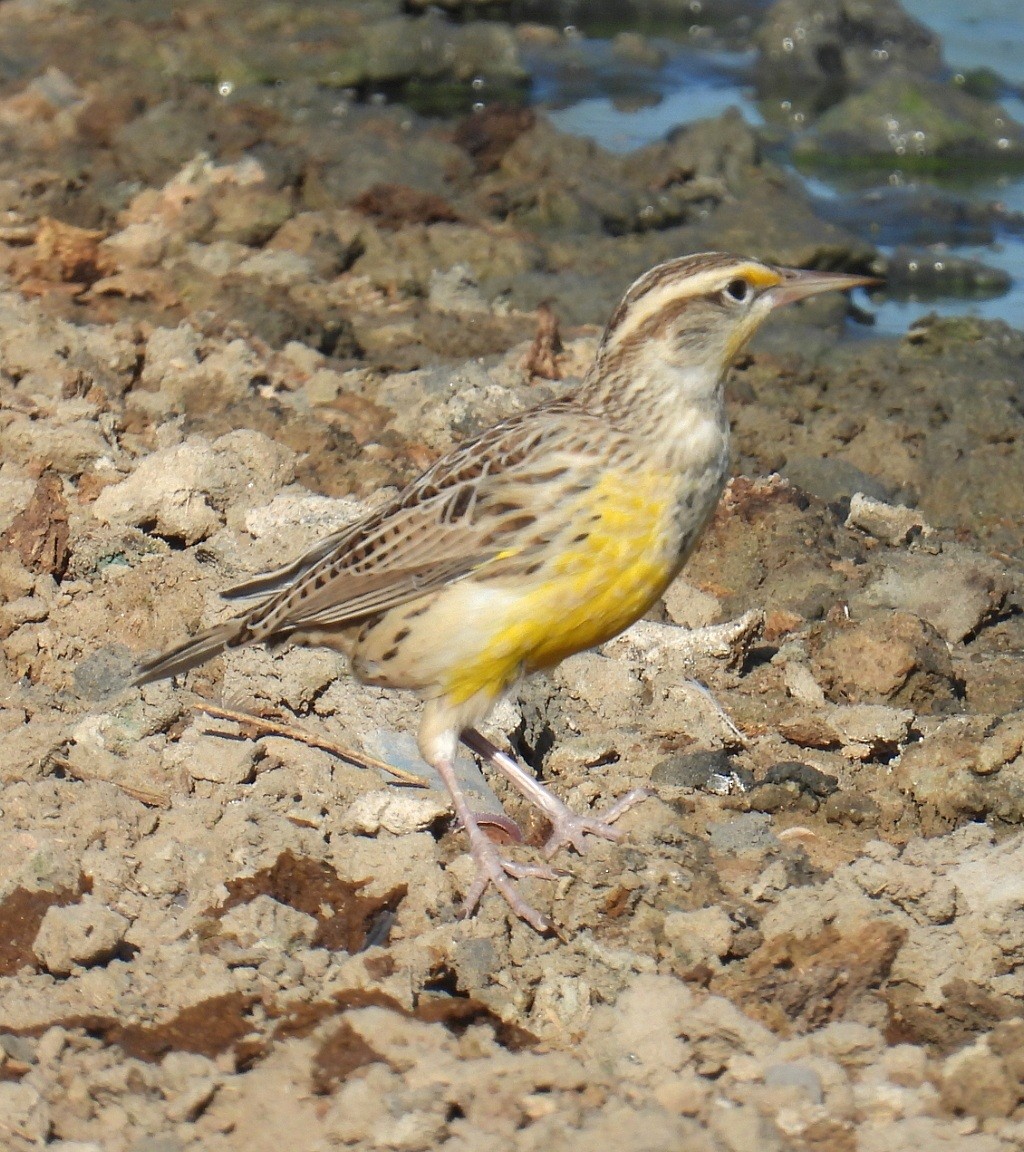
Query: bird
x,y
542,536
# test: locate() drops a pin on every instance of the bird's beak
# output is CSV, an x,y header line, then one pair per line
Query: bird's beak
x,y
797,283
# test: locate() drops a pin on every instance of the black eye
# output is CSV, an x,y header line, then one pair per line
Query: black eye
x,y
737,290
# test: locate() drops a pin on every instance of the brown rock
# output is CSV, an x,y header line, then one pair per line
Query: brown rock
x,y
891,657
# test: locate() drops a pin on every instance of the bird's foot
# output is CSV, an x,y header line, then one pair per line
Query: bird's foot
x,y
566,826
493,868
570,828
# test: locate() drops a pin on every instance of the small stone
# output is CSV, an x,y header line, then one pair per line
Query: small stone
x,y
23,1113
703,934
692,769
892,523
798,1076
955,592
219,759
805,776
870,730
975,1081
394,812
690,606
267,925
83,934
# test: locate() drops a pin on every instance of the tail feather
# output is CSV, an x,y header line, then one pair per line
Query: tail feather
x,y
189,654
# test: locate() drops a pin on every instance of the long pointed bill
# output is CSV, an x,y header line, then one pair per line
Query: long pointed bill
x,y
798,283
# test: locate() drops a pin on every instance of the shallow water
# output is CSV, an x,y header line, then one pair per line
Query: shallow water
x,y
600,102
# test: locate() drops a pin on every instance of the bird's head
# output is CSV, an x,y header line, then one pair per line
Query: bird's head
x,y
695,313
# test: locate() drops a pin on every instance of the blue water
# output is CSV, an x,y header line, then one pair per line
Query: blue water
x,y
597,102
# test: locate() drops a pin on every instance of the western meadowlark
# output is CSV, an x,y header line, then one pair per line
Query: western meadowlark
x,y
547,534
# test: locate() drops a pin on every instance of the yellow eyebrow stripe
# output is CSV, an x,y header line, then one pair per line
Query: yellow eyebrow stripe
x,y
759,276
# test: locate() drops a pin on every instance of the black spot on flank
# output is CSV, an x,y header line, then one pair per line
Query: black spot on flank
x,y
390,654
401,634
411,615
578,539
461,503
551,474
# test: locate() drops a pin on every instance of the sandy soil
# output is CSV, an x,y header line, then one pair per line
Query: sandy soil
x,y
217,937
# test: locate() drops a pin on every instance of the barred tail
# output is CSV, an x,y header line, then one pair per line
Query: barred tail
x,y
191,653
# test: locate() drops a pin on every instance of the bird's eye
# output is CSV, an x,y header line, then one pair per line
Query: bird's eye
x,y
736,291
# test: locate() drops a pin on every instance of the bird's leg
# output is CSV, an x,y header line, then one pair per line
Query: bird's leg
x,y
491,867
567,827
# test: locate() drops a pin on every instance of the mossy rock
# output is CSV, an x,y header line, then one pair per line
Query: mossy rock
x,y
914,124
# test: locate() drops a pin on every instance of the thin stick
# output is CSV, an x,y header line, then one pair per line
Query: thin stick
x,y
151,797
291,732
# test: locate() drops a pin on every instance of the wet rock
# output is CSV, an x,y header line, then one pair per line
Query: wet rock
x,y
330,241
82,934
916,123
816,52
926,275
373,147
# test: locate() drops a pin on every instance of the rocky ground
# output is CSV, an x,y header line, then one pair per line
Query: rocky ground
x,y
225,327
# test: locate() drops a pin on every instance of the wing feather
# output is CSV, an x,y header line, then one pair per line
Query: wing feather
x,y
475,505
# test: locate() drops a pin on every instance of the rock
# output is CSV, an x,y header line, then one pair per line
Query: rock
x,y
816,51
870,730
265,925
975,1081
806,777
394,812
82,934
139,245
955,593
892,658
917,123
748,834
24,1114
219,759
698,937
942,772
892,523
184,491
690,606
830,479
694,769
923,275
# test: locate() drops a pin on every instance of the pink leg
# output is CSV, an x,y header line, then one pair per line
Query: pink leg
x,y
491,867
566,826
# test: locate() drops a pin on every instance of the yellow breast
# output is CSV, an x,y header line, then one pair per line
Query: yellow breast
x,y
618,554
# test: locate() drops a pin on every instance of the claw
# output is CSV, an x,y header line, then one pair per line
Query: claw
x,y
491,868
569,828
